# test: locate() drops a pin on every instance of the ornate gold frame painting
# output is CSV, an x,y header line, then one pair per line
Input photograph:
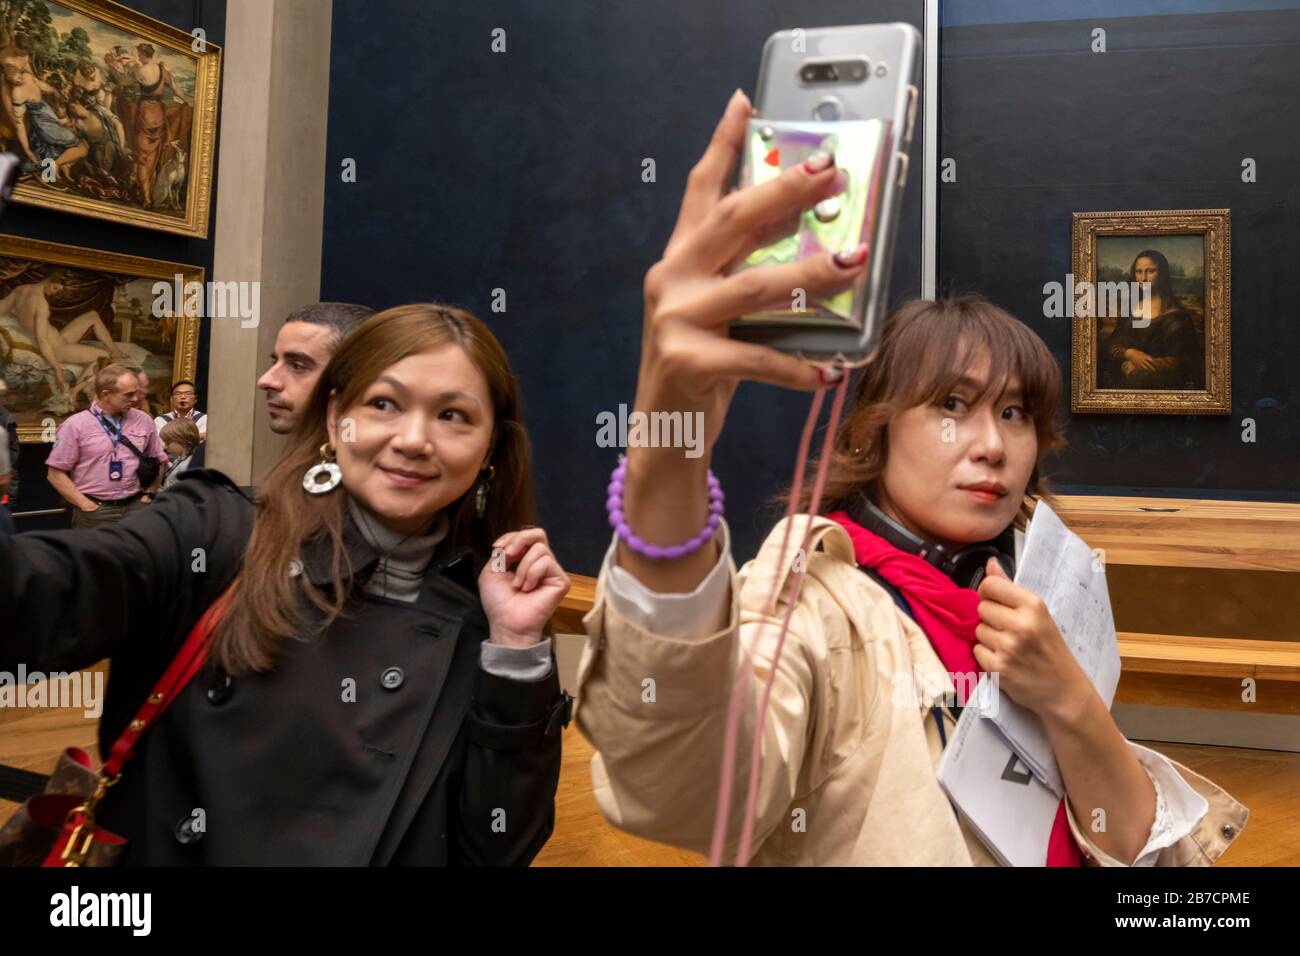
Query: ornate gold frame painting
x,y
1166,348
66,312
112,113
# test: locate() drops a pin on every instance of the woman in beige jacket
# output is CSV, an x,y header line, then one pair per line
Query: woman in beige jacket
x,y
954,417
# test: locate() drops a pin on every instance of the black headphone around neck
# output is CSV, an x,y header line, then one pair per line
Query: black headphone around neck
x,y
965,567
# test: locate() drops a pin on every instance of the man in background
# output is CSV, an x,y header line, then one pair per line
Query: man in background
x,y
304,346
143,400
91,465
184,396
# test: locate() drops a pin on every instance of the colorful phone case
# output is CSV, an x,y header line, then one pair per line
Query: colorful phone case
x,y
862,151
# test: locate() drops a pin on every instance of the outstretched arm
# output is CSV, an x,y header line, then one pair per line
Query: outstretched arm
x,y
72,598
15,114
167,82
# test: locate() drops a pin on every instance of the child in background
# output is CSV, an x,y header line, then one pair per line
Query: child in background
x,y
179,439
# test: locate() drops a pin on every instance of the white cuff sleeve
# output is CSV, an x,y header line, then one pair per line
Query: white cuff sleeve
x,y
1179,808
696,615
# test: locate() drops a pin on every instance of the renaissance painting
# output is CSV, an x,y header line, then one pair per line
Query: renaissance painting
x,y
1153,334
112,114
66,312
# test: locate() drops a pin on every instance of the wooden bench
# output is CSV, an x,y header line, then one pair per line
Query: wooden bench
x,y
1188,532
1168,669
1176,670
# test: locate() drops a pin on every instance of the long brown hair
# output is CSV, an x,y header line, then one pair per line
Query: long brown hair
x,y
267,604
925,348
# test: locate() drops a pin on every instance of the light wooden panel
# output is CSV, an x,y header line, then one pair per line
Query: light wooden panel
x,y
1198,533
579,600
1210,656
11,714
582,837
1207,693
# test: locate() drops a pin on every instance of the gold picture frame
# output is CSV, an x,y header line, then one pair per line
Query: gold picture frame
x,y
102,143
89,294
1193,306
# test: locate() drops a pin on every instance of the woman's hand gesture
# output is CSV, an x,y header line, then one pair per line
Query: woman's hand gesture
x,y
1021,643
520,587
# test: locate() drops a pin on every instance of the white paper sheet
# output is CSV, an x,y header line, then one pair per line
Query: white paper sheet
x,y
1004,803
980,771
1058,566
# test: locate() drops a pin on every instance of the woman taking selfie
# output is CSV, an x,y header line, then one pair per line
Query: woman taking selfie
x,y
377,689
941,454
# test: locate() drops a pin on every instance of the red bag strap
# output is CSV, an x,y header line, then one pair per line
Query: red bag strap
x,y
187,662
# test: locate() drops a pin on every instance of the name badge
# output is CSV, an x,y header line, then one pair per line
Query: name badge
x,y
115,470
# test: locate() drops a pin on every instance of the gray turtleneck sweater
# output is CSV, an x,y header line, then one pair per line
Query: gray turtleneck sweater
x,y
399,576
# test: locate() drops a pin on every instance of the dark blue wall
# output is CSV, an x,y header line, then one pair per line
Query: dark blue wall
x,y
33,223
1041,127
963,13
521,171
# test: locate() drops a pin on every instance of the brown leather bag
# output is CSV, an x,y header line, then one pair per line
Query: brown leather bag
x,y
57,827
26,838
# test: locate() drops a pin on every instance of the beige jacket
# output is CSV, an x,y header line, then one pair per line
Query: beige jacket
x,y
848,776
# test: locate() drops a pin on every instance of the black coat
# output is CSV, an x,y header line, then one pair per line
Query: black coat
x,y
436,762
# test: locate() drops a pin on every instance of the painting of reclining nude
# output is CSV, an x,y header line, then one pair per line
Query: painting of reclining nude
x,y
112,114
67,312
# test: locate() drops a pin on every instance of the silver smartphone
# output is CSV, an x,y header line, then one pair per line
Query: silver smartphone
x,y
855,88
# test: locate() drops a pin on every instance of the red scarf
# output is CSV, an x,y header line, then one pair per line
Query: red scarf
x,y
948,614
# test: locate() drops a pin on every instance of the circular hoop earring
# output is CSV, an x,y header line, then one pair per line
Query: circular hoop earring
x,y
324,477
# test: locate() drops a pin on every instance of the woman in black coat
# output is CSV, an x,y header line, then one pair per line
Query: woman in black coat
x,y
378,689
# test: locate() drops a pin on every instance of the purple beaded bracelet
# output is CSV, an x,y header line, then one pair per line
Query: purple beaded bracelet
x,y
614,505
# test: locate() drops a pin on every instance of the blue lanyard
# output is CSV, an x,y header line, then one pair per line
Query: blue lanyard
x,y
114,432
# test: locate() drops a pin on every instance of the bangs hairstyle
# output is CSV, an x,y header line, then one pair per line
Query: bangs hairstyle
x,y
925,348
269,606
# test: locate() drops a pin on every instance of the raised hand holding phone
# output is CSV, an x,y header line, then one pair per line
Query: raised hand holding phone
x,y
688,363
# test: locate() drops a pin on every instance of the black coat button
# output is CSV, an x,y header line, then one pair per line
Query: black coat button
x,y
219,690
392,678
185,832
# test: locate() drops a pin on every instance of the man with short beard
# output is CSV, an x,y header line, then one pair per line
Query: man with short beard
x,y
304,346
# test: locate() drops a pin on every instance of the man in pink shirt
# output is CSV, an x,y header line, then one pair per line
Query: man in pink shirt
x,y
92,464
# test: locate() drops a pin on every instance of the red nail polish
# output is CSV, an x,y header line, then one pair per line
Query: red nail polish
x,y
818,163
851,257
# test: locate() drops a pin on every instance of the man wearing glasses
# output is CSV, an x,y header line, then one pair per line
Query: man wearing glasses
x,y
183,398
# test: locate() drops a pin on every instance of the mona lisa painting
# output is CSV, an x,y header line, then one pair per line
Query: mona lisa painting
x,y
1166,348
